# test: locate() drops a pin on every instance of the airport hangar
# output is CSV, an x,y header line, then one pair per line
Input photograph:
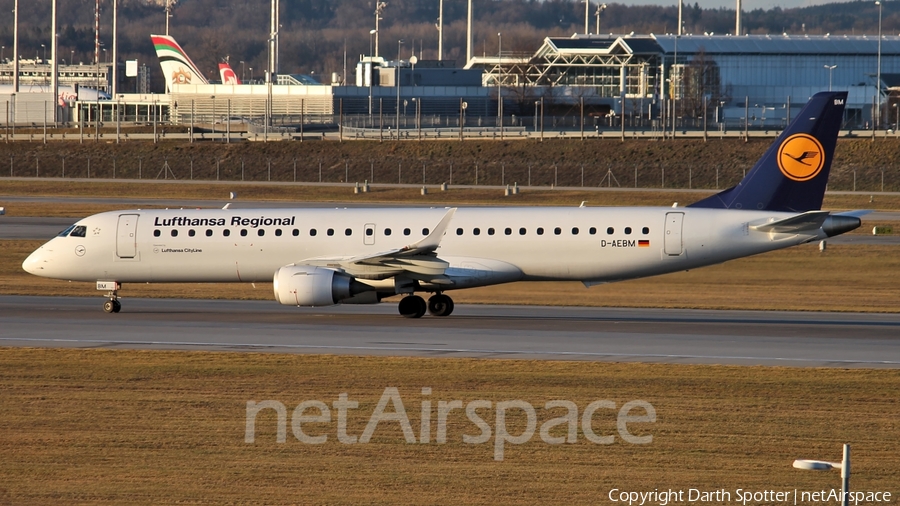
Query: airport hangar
x,y
760,80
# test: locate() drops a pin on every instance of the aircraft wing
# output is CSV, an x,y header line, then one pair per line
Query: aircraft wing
x,y
418,259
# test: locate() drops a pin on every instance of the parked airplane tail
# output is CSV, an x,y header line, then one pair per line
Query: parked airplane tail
x,y
792,174
228,75
177,67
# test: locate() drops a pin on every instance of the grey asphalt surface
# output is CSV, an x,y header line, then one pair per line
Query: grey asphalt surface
x,y
548,333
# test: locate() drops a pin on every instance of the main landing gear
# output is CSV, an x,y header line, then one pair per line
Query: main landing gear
x,y
413,306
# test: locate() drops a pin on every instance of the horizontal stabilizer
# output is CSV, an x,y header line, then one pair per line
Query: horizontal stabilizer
x,y
805,222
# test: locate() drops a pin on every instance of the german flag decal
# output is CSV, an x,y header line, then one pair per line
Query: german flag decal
x,y
643,244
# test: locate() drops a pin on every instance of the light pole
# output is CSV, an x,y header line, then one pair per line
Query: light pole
x,y
45,52
369,70
440,27
843,465
399,45
379,9
243,73
499,70
830,73
587,15
2,53
600,8
880,5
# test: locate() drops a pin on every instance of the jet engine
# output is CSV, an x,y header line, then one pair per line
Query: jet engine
x,y
303,285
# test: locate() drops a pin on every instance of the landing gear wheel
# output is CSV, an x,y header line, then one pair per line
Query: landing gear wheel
x,y
440,305
412,306
110,306
117,306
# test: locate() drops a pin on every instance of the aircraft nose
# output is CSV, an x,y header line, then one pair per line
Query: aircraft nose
x,y
35,262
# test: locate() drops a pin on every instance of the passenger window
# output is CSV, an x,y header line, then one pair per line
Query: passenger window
x,y
191,233
209,232
574,230
278,232
508,231
476,231
627,230
610,231
295,232
348,232
459,231
312,232
243,232
592,230
522,231
226,232
645,230
174,233
425,231
557,230
540,231
79,231
405,231
490,231
370,232
387,231
156,233
330,232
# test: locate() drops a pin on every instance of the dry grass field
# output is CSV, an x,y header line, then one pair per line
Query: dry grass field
x,y
151,427
141,427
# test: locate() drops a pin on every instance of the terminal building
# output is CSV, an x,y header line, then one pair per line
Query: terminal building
x,y
763,77
725,81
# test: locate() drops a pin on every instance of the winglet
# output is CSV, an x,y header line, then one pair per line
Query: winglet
x,y
430,243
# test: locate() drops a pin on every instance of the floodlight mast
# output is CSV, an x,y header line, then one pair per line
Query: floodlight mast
x,y
587,15
379,10
440,28
600,8
877,125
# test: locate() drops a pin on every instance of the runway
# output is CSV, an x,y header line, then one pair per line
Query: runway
x,y
510,332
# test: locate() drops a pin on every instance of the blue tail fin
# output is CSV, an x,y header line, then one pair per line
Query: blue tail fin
x,y
792,174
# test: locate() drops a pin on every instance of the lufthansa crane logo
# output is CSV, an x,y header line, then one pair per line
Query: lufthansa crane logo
x,y
801,157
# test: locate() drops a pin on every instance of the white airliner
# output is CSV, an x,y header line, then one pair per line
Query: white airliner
x,y
321,257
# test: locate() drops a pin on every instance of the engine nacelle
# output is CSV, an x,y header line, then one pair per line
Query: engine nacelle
x,y
303,285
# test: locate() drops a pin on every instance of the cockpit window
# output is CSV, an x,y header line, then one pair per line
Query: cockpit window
x,y
65,232
79,231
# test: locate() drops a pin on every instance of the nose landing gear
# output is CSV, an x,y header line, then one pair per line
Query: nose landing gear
x,y
112,293
112,306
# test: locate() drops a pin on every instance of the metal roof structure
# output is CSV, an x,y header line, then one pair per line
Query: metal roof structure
x,y
857,45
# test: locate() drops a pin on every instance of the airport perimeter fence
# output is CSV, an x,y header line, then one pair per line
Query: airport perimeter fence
x,y
409,171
